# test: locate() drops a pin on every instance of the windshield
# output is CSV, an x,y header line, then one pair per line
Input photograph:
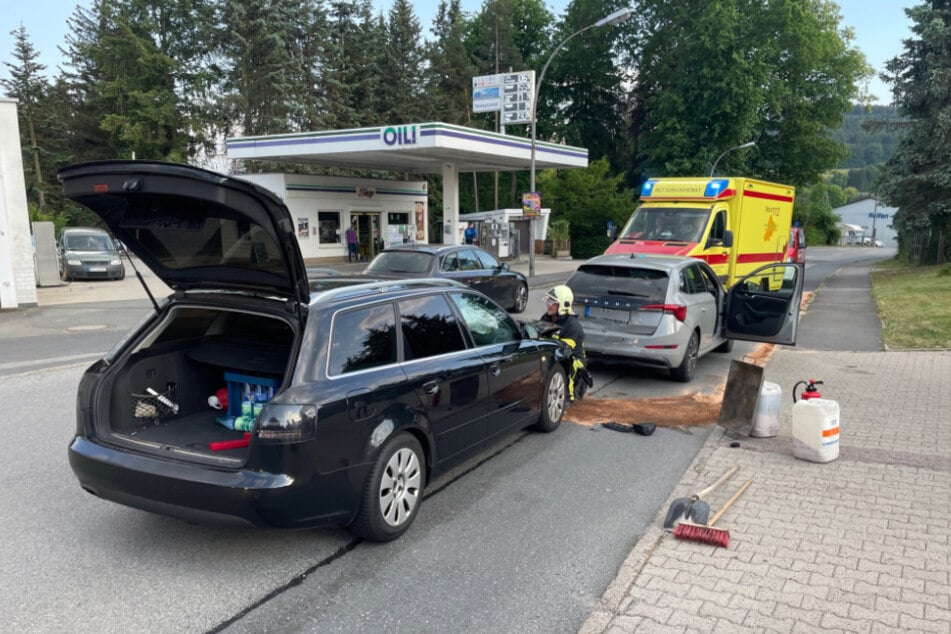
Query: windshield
x,y
667,224
417,262
622,281
89,243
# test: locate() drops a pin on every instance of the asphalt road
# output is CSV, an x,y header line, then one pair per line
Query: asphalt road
x,y
525,538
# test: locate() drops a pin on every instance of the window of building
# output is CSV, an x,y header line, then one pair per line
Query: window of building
x,y
328,223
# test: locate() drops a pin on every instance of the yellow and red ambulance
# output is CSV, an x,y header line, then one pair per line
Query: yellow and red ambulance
x,y
735,224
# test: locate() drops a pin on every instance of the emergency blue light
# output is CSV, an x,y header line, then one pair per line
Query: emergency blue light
x,y
647,188
716,187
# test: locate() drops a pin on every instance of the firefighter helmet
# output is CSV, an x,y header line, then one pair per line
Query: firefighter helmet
x,y
562,296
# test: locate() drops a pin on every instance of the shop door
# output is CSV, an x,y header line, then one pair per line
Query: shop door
x,y
369,233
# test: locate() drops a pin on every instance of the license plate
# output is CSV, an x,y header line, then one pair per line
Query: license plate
x,y
609,314
97,269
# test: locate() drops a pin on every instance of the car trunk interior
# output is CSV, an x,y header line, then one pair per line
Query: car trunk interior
x,y
157,398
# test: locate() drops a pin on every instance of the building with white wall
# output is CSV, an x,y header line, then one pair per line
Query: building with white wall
x,y
417,148
17,271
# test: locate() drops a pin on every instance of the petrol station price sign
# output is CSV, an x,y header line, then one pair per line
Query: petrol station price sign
x,y
507,93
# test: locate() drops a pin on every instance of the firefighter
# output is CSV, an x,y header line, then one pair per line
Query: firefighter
x,y
559,312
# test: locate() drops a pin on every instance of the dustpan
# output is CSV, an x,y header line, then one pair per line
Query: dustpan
x,y
743,386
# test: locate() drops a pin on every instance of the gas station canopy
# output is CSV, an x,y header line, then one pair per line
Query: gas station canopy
x,y
421,148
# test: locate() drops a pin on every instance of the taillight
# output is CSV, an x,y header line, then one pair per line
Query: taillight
x,y
286,423
679,311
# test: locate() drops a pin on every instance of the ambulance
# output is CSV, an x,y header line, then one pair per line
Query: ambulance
x,y
734,224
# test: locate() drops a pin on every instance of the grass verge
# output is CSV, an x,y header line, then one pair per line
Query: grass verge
x,y
914,303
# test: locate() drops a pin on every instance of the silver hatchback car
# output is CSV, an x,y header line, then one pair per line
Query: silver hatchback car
x,y
668,311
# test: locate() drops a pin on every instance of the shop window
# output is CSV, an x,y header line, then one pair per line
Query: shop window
x,y
397,218
328,223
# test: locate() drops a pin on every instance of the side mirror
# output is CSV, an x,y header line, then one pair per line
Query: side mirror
x,y
728,239
503,266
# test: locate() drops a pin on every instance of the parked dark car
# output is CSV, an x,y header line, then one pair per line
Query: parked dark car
x,y
338,403
468,264
668,311
88,253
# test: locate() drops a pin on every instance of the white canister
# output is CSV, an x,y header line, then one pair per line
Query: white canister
x,y
766,418
815,429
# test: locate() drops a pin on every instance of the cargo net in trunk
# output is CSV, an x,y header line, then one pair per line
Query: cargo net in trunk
x,y
154,406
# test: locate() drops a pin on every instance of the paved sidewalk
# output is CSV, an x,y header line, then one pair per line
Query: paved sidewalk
x,y
860,544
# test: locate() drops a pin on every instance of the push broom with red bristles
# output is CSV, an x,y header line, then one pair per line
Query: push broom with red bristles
x,y
707,534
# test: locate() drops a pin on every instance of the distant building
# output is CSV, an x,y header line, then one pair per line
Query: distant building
x,y
856,222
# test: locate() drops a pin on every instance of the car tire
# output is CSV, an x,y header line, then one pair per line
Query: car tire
x,y
393,491
521,299
725,347
688,367
121,276
554,401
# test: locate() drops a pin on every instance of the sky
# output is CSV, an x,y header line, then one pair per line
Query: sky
x,y
879,25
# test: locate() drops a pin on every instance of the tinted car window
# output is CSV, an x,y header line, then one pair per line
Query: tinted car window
x,y
469,261
363,338
401,262
429,327
620,280
450,262
488,323
181,234
488,262
693,281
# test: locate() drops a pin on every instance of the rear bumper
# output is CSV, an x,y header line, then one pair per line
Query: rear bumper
x,y
206,495
621,349
94,272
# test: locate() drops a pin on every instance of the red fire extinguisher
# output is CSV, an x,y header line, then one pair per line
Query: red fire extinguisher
x,y
811,390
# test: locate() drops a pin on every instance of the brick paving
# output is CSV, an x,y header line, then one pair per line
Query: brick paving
x,y
859,544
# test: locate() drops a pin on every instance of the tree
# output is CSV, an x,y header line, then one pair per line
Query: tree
x,y
918,176
29,87
126,62
449,80
349,69
401,97
813,72
262,76
582,100
716,75
587,199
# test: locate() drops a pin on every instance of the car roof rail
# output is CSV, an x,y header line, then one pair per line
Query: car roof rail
x,y
382,286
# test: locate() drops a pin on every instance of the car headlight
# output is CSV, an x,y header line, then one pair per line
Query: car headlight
x,y
279,423
115,262
73,262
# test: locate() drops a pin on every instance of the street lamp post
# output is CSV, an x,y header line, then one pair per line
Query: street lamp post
x,y
737,147
875,214
618,16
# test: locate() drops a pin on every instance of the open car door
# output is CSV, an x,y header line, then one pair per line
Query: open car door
x,y
764,305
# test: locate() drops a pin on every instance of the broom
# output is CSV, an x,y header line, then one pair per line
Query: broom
x,y
707,534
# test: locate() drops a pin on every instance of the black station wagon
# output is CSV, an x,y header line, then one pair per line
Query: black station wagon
x,y
247,396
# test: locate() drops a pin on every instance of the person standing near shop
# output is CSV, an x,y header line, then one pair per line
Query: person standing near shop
x,y
353,247
471,234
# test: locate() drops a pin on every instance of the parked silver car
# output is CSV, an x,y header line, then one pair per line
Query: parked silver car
x,y
668,311
88,253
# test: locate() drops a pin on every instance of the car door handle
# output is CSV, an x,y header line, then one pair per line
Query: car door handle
x,y
431,387
495,369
